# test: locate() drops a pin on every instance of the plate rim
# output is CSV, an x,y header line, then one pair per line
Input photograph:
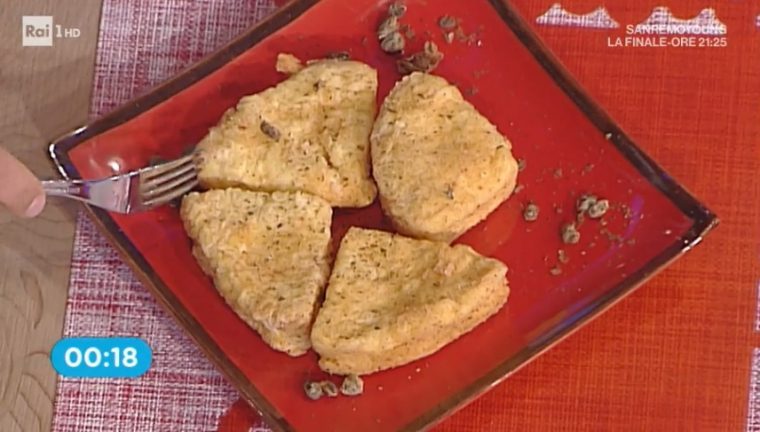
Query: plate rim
x,y
704,220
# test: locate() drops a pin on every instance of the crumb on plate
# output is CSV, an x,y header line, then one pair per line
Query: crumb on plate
x,y
530,213
423,61
329,388
387,27
447,22
313,390
288,64
397,9
393,43
570,234
598,209
352,385
562,256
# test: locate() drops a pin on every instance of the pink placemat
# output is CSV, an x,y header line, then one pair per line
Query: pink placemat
x,y
142,43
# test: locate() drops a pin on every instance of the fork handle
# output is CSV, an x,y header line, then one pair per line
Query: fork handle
x,y
75,189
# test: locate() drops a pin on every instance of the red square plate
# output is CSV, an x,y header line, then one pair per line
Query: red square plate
x,y
570,145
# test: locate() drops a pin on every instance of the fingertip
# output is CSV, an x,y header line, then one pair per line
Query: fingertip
x,y
35,207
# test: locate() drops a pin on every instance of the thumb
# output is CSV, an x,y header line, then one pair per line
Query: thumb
x,y
20,190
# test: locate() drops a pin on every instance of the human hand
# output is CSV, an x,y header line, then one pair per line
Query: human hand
x,y
20,191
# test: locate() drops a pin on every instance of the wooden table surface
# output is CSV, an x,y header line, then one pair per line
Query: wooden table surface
x,y
45,92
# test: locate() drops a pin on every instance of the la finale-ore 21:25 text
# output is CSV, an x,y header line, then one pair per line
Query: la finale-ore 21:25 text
x,y
679,36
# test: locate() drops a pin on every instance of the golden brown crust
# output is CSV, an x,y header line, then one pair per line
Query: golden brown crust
x,y
393,299
440,166
309,133
269,257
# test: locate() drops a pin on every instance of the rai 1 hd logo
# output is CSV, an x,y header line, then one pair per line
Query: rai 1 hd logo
x,y
41,31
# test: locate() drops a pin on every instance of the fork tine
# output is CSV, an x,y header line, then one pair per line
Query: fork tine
x,y
171,193
150,183
154,173
173,181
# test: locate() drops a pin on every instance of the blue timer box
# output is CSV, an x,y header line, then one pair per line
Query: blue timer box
x,y
91,357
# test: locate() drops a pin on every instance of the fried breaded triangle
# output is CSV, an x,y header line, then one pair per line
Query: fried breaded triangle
x,y
269,257
309,133
440,166
392,299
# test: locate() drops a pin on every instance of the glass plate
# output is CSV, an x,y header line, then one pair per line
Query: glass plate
x,y
570,146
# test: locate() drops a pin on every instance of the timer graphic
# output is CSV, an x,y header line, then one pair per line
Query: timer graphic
x,y
101,357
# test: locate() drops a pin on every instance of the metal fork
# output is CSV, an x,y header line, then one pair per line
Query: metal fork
x,y
134,191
